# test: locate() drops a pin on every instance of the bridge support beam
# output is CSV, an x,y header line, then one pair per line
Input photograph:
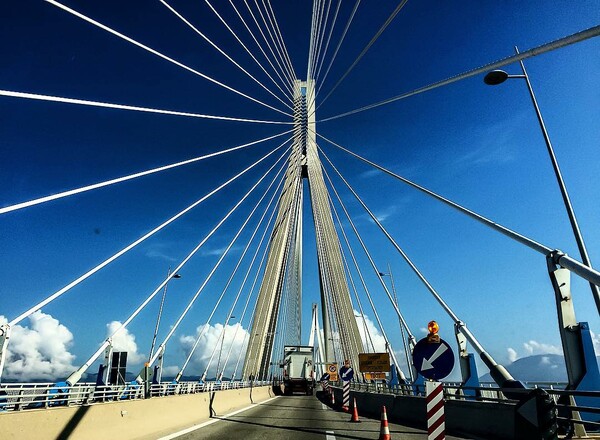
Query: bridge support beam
x,y
5,330
578,348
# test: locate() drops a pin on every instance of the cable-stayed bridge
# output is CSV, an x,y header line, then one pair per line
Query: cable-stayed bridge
x,y
280,216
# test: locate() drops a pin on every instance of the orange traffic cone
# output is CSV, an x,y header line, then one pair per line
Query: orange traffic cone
x,y
354,418
384,432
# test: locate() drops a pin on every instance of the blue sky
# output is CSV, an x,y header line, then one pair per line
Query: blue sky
x,y
475,144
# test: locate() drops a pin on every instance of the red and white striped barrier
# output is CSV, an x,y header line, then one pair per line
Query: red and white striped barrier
x,y
346,396
436,420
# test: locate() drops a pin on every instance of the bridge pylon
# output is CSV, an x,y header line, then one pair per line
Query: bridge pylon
x,y
341,336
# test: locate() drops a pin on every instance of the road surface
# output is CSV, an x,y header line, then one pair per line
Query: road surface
x,y
296,418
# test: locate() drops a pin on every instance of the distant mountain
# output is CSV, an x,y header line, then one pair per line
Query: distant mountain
x,y
538,368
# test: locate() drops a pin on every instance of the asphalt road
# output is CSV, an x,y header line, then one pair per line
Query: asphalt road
x,y
297,417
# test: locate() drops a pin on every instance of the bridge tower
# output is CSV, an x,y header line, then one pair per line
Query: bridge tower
x,y
283,269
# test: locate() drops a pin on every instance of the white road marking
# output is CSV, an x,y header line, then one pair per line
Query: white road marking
x,y
329,435
211,421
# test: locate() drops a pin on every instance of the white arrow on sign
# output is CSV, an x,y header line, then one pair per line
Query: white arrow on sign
x,y
428,364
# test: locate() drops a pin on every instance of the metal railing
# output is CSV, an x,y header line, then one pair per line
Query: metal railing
x,y
577,410
26,396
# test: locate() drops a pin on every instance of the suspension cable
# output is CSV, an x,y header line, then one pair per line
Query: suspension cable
x,y
282,68
366,48
205,327
109,260
243,284
260,269
556,44
337,49
161,55
317,36
130,176
334,21
362,280
235,63
586,272
280,36
75,376
51,98
368,254
216,266
375,269
368,337
460,324
284,81
275,38
247,50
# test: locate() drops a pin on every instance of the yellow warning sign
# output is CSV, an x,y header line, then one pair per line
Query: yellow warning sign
x,y
374,362
332,369
374,376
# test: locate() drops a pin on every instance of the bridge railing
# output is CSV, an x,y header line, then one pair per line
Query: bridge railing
x,y
24,396
577,410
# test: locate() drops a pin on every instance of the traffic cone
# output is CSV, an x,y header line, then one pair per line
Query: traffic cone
x,y
384,432
354,418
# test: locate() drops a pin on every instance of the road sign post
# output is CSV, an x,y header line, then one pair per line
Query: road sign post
x,y
432,356
436,421
332,369
374,362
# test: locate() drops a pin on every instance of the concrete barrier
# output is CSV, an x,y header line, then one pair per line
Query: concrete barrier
x,y
134,419
489,420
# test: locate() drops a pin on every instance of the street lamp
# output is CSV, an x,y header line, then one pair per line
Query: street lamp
x,y
160,309
219,376
404,344
496,77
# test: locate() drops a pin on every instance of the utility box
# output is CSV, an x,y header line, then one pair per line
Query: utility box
x,y
298,369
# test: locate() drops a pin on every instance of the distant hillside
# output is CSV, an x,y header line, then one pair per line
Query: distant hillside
x,y
538,368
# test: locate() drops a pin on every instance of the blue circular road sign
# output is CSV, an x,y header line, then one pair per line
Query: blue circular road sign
x,y
432,360
346,373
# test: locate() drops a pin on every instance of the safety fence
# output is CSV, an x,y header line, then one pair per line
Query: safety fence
x,y
577,411
25,396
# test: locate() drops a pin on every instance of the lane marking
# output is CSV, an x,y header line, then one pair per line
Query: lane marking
x,y
211,421
329,435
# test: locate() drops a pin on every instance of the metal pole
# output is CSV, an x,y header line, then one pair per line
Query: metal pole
x,y
404,344
160,309
561,184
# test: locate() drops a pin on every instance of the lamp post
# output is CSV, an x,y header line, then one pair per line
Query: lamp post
x,y
404,344
146,370
496,77
219,376
160,309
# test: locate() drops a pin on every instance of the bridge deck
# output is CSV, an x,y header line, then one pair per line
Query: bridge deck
x,y
298,417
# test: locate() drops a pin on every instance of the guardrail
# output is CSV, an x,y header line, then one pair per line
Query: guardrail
x,y
25,396
576,409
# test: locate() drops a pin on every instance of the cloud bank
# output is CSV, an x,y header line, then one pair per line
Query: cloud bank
x,y
211,339
39,351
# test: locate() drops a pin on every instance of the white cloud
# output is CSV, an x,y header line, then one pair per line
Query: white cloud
x,y
211,339
217,252
596,342
532,348
160,251
40,351
376,336
171,370
125,341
